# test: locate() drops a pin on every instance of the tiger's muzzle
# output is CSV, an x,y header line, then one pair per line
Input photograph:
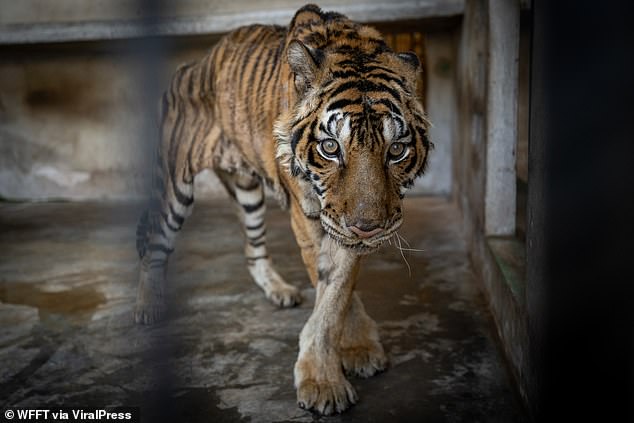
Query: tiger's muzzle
x,y
363,238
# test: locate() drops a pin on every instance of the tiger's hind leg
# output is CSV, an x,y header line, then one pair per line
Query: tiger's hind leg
x,y
156,234
187,138
248,194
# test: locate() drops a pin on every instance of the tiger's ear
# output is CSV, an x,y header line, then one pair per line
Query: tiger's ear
x,y
410,59
412,68
305,63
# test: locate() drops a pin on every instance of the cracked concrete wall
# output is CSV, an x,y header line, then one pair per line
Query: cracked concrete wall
x,y
479,150
78,120
66,127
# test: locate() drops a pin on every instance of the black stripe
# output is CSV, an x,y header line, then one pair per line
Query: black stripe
x,y
190,87
403,135
254,71
423,134
256,258
345,74
278,74
365,86
255,244
323,128
311,159
176,217
377,67
263,73
254,227
295,169
161,248
297,135
154,263
203,74
306,25
192,101
413,159
369,86
348,62
245,87
311,134
251,187
376,136
258,236
331,121
169,225
340,104
247,56
276,61
250,208
388,78
182,198
390,105
234,62
198,124
423,165
315,39
344,87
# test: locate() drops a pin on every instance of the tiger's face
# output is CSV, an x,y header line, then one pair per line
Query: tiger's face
x,y
355,139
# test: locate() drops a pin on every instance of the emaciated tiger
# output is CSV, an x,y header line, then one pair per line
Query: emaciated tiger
x,y
325,115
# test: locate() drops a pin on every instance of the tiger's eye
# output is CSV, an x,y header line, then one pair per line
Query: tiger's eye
x,y
396,149
330,147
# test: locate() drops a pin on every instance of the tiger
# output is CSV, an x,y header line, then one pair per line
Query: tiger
x,y
326,116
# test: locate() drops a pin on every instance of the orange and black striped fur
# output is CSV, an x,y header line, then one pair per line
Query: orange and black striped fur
x,y
326,115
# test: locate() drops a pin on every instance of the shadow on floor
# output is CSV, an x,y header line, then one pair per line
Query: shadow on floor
x,y
67,287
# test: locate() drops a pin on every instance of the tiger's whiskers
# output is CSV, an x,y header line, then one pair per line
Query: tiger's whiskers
x,y
408,245
399,246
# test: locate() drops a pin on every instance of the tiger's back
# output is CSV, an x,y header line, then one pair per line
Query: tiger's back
x,y
228,97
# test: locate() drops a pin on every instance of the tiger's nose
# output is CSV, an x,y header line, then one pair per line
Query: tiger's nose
x,y
365,230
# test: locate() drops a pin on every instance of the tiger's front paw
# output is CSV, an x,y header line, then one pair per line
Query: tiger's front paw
x,y
323,388
326,397
364,360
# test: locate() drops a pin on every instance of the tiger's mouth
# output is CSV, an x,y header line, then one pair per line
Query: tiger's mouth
x,y
363,246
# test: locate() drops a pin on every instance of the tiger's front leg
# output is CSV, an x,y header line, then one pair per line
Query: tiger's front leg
x,y
319,379
361,351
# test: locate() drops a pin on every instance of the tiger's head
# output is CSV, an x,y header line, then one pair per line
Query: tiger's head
x,y
355,135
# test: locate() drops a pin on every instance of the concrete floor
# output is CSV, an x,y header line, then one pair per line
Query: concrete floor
x,y
67,286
